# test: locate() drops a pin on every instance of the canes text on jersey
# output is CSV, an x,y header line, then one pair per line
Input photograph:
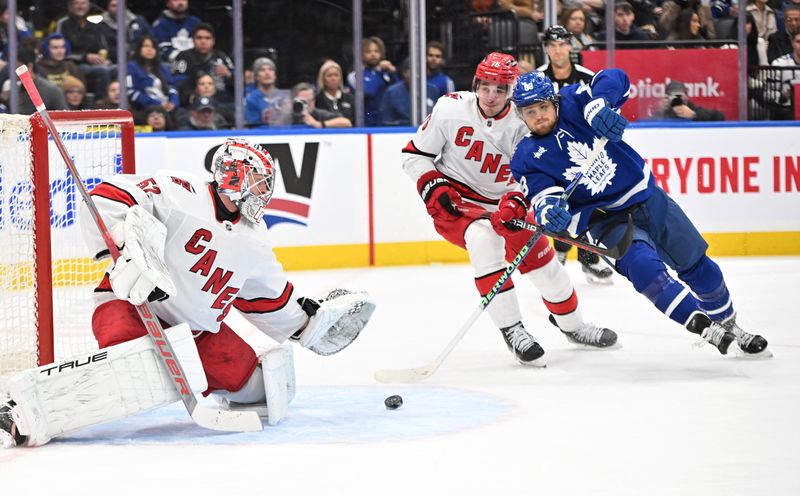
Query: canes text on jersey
x,y
217,277
490,162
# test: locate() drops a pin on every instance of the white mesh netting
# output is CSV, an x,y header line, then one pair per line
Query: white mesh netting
x,y
97,153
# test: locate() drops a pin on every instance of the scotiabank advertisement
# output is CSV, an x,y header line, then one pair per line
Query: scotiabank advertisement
x,y
709,74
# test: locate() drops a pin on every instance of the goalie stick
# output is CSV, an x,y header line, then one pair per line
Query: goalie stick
x,y
220,420
418,374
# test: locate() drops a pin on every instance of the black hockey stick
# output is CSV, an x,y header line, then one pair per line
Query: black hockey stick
x,y
221,420
616,252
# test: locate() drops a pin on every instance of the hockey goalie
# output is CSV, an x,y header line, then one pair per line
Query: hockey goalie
x,y
193,249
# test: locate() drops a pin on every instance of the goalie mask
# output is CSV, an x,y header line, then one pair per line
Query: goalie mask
x,y
245,173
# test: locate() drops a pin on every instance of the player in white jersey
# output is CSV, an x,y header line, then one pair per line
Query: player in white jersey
x,y
205,251
459,158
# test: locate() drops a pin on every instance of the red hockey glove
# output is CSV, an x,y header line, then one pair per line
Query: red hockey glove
x,y
440,197
512,205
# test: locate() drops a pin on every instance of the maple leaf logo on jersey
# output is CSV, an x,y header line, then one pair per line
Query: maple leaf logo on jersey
x,y
597,175
538,153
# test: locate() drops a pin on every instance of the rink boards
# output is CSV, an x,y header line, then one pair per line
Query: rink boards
x,y
342,198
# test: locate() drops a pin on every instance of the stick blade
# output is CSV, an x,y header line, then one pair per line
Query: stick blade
x,y
227,420
405,376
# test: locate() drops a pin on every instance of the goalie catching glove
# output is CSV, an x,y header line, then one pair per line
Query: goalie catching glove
x,y
335,322
140,273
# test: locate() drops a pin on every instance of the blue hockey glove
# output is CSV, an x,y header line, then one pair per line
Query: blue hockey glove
x,y
551,215
604,121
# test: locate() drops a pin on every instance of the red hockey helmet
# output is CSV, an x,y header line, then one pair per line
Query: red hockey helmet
x,y
498,68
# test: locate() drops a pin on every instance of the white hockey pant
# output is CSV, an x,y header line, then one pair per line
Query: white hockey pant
x,y
487,255
553,282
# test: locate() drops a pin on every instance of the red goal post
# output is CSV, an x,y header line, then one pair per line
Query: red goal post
x,y
46,272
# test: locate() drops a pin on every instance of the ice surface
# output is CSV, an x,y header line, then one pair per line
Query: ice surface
x,y
655,417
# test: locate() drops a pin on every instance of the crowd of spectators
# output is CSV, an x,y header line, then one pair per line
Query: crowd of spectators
x,y
177,78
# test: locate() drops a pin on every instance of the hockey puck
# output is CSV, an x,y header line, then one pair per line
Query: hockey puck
x,y
393,402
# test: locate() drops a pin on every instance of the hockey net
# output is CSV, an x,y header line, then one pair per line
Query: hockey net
x,y
46,272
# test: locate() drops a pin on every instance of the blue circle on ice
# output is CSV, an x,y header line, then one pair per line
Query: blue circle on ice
x,y
318,415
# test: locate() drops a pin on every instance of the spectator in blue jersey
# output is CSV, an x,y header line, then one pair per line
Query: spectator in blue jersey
x,y
395,106
306,113
379,73
173,29
331,95
617,185
434,59
89,47
149,80
136,27
267,105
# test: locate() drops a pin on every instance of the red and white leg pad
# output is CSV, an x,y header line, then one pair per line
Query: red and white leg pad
x,y
270,389
106,385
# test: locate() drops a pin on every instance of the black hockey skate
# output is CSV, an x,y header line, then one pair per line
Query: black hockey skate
x,y
589,335
711,332
523,345
596,271
9,435
562,249
751,344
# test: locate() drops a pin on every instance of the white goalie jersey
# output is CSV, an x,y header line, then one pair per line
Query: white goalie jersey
x,y
472,150
217,261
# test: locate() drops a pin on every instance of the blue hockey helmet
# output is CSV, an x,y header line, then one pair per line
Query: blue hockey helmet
x,y
534,87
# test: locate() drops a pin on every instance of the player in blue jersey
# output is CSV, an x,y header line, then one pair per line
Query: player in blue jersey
x,y
565,128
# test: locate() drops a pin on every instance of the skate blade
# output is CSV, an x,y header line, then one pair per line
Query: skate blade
x,y
6,440
598,281
539,363
764,354
588,347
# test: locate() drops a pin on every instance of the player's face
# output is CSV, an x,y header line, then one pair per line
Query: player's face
x,y
540,117
558,52
492,97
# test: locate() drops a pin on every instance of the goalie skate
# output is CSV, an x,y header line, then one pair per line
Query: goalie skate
x,y
524,346
9,435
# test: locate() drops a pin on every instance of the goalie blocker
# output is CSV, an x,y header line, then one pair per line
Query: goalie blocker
x,y
126,379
